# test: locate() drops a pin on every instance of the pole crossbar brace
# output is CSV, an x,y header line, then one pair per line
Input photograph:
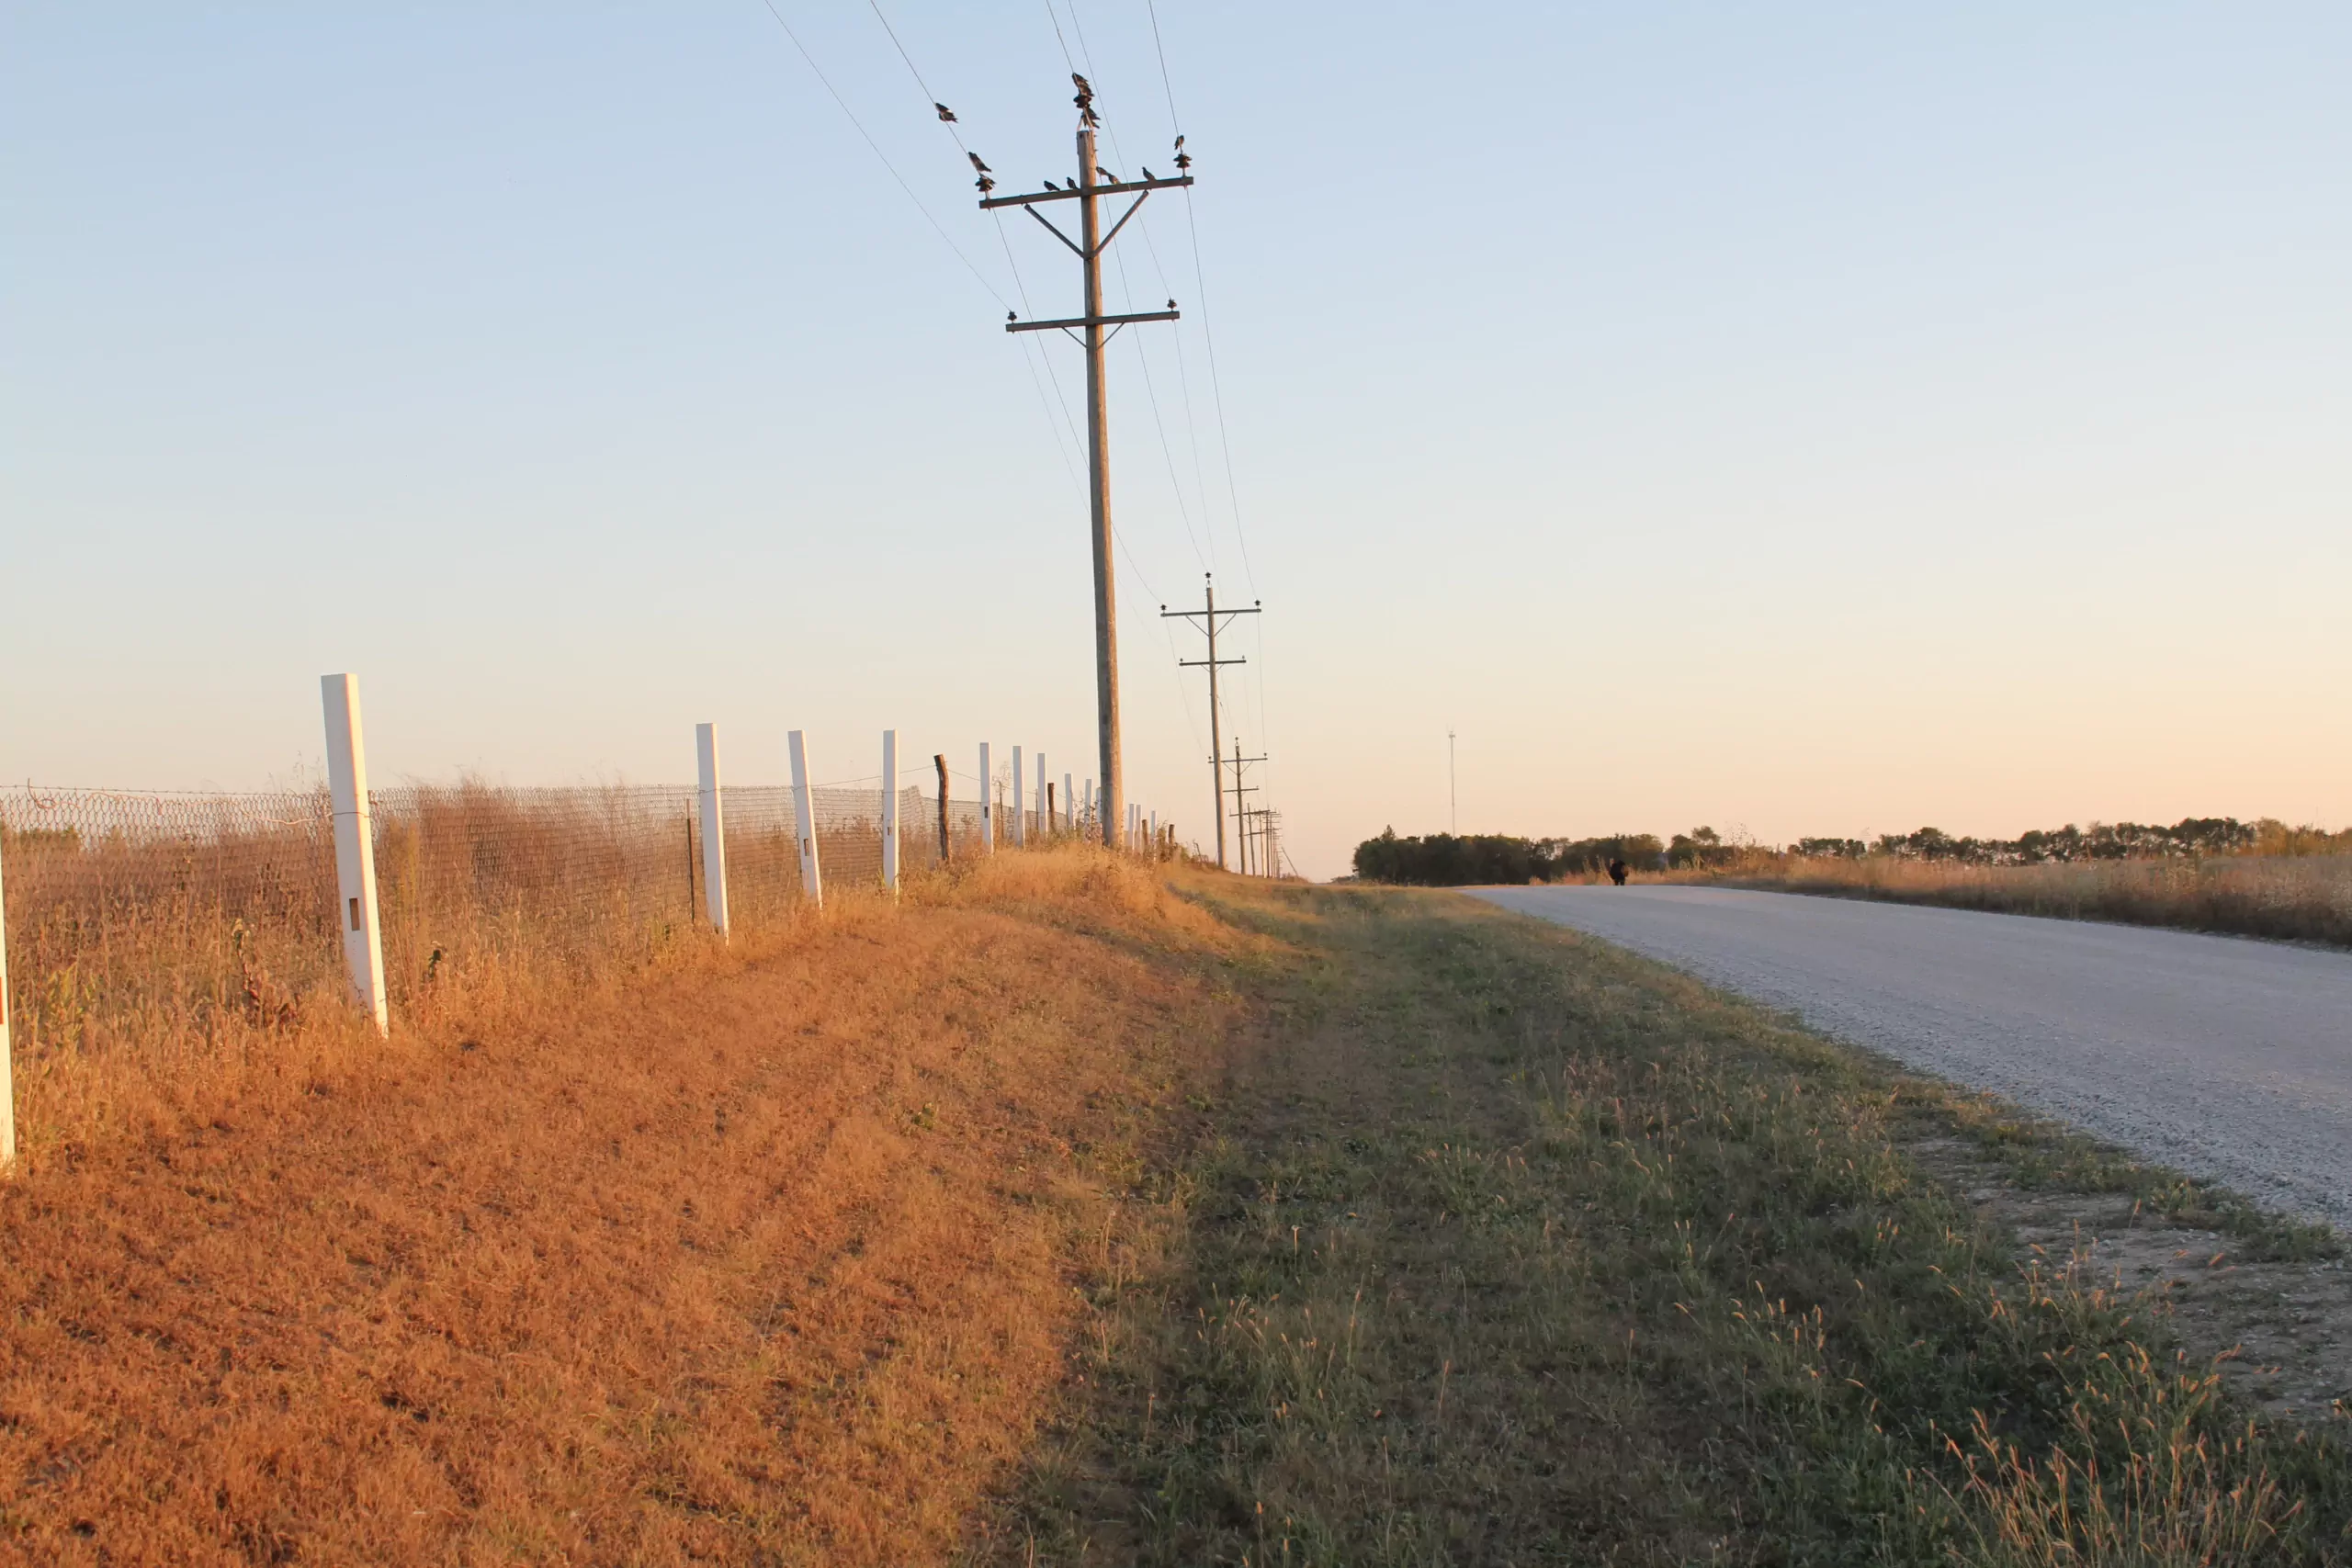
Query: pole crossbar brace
x,y
1090,321
1081,252
1034,198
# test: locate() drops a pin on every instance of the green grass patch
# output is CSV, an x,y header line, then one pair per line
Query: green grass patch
x,y
1502,1246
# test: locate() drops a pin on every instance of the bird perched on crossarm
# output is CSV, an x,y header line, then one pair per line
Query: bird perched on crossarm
x,y
1148,174
946,115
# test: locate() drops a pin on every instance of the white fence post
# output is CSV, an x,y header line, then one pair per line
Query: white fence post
x,y
1070,808
355,847
714,830
1020,825
890,812
8,1051
987,804
804,807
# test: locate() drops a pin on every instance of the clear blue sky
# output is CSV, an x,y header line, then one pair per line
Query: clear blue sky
x,y
1809,419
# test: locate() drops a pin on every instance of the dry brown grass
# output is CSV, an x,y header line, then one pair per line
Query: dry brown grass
x,y
164,949
2293,897
763,1259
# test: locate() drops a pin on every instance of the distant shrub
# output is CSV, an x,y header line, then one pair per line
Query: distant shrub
x,y
1448,859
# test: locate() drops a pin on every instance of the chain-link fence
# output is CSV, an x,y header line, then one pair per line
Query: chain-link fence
x,y
152,914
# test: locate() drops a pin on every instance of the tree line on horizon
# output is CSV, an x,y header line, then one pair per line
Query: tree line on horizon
x,y
1450,860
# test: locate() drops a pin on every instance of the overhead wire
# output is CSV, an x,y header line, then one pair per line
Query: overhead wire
x,y
1216,384
1020,285
945,238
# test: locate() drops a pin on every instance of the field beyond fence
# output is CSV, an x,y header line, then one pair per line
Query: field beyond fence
x,y
2287,897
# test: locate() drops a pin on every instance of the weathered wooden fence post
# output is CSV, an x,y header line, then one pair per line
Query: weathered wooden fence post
x,y
987,804
804,810
7,1051
354,848
714,834
890,812
939,761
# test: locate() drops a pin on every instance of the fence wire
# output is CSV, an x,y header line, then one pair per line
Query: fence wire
x,y
147,913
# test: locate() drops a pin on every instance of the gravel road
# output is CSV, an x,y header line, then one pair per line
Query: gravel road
x,y
2227,1058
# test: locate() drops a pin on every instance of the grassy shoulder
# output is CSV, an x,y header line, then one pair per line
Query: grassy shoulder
x,y
1508,1247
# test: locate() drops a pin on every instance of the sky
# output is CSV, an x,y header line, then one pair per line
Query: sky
x,y
1825,419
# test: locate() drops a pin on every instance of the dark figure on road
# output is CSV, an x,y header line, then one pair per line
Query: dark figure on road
x,y
1617,872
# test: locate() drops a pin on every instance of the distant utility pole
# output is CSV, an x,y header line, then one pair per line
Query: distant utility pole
x,y
1240,803
1452,795
1087,190
1208,618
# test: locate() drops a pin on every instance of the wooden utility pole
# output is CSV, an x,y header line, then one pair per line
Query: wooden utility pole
x,y
1208,618
1240,801
1088,192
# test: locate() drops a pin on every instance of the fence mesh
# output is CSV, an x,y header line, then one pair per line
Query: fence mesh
x,y
149,913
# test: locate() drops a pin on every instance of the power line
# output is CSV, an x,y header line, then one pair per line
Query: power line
x,y
945,237
1153,10
1052,16
1020,284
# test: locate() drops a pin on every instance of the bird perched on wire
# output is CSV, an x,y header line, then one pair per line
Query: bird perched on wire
x,y
946,115
1184,159
978,167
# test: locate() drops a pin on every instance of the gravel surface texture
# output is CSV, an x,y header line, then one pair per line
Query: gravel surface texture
x,y
2227,1058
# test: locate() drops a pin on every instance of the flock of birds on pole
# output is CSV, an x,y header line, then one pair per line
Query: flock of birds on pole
x,y
1084,99
1085,102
